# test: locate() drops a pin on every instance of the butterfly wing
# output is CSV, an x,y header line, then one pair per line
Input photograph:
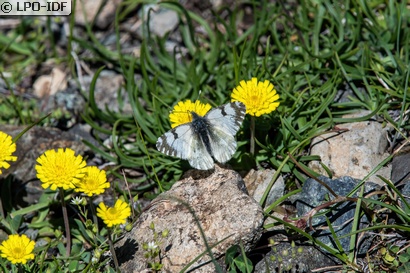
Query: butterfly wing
x,y
225,122
223,145
200,158
184,143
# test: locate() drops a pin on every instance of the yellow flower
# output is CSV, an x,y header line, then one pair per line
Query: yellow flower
x,y
182,111
114,215
17,249
60,169
94,182
7,148
259,97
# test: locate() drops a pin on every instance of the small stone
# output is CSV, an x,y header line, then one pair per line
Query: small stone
x,y
257,182
87,10
161,21
48,85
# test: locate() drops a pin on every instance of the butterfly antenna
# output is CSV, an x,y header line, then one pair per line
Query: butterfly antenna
x,y
200,97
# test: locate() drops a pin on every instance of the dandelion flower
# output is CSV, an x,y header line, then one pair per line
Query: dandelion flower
x,y
17,249
7,148
60,169
94,182
259,97
114,215
182,111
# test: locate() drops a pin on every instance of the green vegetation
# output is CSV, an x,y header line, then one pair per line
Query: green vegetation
x,y
325,60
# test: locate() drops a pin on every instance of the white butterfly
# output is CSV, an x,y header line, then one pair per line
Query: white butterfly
x,y
207,138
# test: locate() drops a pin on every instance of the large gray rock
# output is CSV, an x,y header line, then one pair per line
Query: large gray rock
x,y
293,258
340,215
215,201
400,168
401,173
355,152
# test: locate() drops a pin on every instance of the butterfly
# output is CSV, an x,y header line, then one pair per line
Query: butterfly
x,y
205,139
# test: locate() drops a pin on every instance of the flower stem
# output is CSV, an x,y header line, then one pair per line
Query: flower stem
x,y
114,257
2,215
252,128
93,213
66,223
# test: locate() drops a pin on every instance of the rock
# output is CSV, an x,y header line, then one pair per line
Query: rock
x,y
161,21
223,209
87,10
401,173
47,85
354,153
106,91
287,257
341,216
257,182
66,105
400,167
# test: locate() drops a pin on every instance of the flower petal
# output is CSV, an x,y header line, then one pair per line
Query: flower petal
x,y
17,249
60,169
7,148
259,97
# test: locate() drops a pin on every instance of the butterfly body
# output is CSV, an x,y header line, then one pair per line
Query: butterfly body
x,y
201,127
205,139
